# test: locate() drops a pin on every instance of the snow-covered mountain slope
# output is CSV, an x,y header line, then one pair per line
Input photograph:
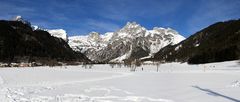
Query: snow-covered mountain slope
x,y
59,33
131,42
93,41
19,18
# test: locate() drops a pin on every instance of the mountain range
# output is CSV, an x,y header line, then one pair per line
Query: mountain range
x,y
19,40
131,42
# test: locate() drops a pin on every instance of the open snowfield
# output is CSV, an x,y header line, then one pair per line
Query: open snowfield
x,y
174,82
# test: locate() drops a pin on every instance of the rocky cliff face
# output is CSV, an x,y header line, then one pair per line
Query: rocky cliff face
x,y
131,42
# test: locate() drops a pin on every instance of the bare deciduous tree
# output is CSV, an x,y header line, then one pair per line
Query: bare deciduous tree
x,y
158,64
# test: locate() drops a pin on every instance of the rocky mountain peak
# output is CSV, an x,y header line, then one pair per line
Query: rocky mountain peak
x,y
20,18
95,36
131,30
132,25
131,42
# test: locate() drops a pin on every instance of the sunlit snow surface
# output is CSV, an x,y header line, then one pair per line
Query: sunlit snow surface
x,y
174,82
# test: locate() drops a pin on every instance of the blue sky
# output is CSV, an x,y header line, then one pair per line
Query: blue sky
x,y
79,17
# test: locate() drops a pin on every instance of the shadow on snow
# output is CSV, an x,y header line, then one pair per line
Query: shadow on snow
x,y
210,92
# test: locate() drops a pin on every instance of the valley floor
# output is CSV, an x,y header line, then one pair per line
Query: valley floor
x,y
174,82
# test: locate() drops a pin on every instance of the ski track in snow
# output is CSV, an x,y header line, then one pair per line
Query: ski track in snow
x,y
1,80
18,95
21,93
85,81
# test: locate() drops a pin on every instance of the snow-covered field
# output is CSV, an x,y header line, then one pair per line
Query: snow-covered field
x,y
174,82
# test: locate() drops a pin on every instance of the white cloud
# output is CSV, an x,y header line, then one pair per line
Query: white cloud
x,y
102,25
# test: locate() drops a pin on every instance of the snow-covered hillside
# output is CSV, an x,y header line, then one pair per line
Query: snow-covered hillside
x,y
93,41
116,46
59,33
174,82
19,18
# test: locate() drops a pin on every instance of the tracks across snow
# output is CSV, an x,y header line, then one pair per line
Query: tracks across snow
x,y
1,89
95,79
1,80
25,89
102,94
36,92
54,76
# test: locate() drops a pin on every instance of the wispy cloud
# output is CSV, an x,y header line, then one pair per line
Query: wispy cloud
x,y
8,10
102,25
